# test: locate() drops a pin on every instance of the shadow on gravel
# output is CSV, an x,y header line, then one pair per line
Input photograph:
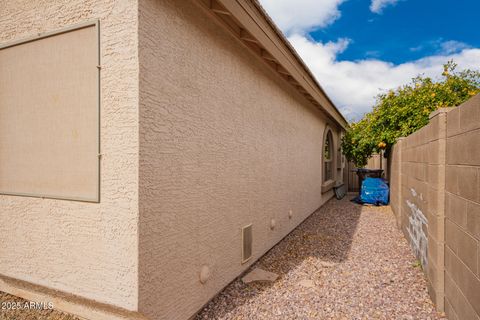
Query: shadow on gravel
x,y
327,235
324,239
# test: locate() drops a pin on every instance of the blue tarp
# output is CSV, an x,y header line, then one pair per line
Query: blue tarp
x,y
374,191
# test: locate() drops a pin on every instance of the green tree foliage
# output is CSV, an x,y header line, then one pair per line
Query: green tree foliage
x,y
403,111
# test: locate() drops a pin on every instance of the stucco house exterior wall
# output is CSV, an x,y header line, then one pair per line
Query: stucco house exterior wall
x,y
203,130
213,159
86,249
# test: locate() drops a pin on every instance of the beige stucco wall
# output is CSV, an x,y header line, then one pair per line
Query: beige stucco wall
x,y
198,139
224,142
87,249
436,179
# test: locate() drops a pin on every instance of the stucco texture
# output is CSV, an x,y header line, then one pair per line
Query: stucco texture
x,y
224,142
87,249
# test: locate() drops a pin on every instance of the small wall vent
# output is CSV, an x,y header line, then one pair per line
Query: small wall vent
x,y
247,240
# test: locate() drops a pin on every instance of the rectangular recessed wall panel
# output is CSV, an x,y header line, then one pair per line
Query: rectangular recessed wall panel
x,y
49,115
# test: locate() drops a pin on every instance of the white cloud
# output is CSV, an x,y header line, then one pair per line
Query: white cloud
x,y
353,85
301,16
452,46
377,6
442,47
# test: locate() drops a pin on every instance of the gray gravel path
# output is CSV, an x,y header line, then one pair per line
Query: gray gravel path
x,y
344,262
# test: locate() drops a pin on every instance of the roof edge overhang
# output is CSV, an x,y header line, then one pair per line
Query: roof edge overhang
x,y
249,23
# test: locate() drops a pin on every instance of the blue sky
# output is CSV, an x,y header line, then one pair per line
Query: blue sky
x,y
360,48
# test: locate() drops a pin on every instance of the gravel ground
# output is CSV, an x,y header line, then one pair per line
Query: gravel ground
x,y
22,313
346,261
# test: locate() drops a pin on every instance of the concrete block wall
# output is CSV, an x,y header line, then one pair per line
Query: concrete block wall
x,y
395,161
418,166
462,214
435,195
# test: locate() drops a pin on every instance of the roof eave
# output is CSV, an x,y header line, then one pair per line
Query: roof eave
x,y
249,22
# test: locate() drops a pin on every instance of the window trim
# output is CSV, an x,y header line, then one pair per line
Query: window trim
x,y
328,184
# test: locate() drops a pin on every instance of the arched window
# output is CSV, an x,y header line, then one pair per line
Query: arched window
x,y
328,156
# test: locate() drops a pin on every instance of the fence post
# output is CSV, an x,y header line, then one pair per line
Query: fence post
x,y
395,178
